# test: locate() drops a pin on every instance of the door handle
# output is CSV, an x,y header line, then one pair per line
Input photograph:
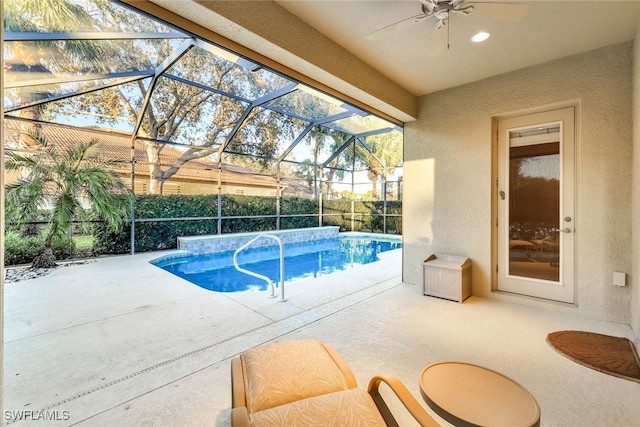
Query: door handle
x,y
563,230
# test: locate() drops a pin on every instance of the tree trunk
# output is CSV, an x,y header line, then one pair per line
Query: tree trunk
x,y
155,169
45,260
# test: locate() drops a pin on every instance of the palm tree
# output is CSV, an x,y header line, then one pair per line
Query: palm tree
x,y
387,148
58,180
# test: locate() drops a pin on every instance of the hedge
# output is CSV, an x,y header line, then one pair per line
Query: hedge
x,y
368,216
158,235
23,249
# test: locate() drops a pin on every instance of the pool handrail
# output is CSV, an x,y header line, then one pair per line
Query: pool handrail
x,y
258,275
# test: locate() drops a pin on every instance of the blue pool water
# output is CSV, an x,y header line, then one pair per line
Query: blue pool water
x,y
302,260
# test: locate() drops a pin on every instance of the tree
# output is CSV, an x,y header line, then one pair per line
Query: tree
x,y
58,181
32,60
180,111
322,138
387,148
337,166
306,170
195,105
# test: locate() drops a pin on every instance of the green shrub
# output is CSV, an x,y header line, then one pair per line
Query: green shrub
x,y
368,216
248,205
298,205
243,225
152,236
175,206
337,213
155,235
22,250
298,222
106,241
63,248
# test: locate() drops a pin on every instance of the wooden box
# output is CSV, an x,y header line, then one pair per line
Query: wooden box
x,y
447,276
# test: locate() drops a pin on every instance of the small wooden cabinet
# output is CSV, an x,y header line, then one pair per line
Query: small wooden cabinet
x,y
447,276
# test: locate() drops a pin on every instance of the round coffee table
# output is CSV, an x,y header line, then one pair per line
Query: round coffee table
x,y
470,395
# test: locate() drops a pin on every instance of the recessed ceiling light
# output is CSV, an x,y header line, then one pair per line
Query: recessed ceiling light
x,y
480,37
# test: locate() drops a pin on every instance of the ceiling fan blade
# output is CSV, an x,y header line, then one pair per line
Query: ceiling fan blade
x,y
506,12
397,26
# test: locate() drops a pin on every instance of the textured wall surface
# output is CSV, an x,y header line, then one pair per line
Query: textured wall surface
x,y
635,219
449,172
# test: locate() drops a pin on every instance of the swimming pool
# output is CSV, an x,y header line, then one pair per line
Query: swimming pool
x,y
215,271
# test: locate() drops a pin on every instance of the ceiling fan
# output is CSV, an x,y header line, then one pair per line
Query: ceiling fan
x,y
442,10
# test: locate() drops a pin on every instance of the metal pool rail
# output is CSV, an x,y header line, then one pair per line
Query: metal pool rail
x,y
260,276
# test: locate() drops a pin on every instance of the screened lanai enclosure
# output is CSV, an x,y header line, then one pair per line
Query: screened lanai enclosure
x,y
209,141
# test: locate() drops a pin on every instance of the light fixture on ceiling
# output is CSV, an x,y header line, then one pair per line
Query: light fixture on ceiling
x,y
480,37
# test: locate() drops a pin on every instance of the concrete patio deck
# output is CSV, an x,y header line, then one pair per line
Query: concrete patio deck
x,y
120,342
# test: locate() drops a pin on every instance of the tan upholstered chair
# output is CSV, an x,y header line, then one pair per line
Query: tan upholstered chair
x,y
306,383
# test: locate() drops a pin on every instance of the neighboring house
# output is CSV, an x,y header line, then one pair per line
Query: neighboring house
x,y
198,176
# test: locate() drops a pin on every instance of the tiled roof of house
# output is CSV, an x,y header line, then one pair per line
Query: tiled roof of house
x,y
117,145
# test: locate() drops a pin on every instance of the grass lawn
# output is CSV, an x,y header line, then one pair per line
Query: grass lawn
x,y
84,241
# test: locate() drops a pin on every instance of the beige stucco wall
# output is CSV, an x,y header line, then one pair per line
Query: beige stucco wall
x,y
635,221
448,172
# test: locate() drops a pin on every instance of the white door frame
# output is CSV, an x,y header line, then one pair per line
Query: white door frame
x,y
562,290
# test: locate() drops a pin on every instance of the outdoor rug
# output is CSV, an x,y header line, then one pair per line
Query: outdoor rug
x,y
611,355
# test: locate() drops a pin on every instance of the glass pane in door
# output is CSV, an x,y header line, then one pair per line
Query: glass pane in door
x,y
534,204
